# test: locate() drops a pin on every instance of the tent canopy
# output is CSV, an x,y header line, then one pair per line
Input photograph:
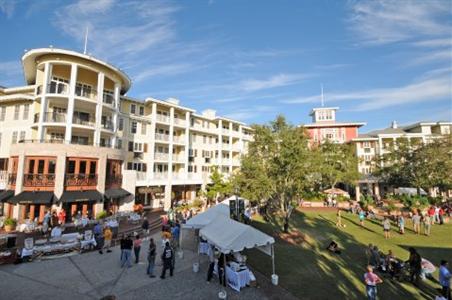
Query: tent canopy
x,y
205,218
336,191
231,236
28,197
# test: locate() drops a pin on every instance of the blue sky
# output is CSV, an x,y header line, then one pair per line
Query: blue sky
x,y
251,60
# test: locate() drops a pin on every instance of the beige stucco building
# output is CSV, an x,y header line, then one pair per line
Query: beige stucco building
x,y
71,138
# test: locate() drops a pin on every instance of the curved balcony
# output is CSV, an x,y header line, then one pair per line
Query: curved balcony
x,y
39,180
58,88
108,98
84,121
85,92
51,117
108,125
81,180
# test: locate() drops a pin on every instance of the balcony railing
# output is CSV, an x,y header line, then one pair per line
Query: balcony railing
x,y
39,180
141,176
180,122
178,139
108,98
161,156
12,178
162,118
107,125
51,117
162,137
90,121
160,175
113,180
58,88
43,141
178,157
84,92
81,179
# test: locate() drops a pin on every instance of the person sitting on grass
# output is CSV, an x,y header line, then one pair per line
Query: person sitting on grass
x,y
334,248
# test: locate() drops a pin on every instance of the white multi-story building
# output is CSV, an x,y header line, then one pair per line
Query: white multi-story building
x,y
71,138
372,145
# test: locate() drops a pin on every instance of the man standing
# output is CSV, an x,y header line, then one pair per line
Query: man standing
x,y
127,252
427,224
417,223
151,258
371,279
444,279
175,233
98,236
167,257
107,239
415,262
387,228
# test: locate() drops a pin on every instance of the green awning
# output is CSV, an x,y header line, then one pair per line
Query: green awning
x,y
116,193
37,197
5,195
80,196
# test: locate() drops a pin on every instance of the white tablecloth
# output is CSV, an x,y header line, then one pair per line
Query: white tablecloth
x,y
86,243
26,252
204,248
47,248
237,280
112,223
26,227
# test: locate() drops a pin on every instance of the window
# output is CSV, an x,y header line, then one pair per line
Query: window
x,y
2,113
31,166
92,167
141,111
138,147
41,164
83,90
133,108
121,124
71,167
130,146
366,150
26,111
16,111
14,139
56,136
52,167
143,128
133,128
22,136
204,139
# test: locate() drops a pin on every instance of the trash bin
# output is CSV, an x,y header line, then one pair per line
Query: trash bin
x,y
275,279
196,267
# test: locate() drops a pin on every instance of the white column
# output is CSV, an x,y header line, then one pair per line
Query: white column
x,y
241,148
170,150
167,199
230,147
43,110
150,170
115,114
71,104
220,143
100,99
187,143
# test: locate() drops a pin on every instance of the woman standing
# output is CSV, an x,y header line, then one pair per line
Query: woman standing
x,y
387,228
401,224
151,258
137,248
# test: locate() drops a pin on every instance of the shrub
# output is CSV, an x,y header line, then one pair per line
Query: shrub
x,y
414,201
10,222
314,196
366,200
197,203
101,215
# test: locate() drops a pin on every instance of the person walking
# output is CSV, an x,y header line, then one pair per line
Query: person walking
x,y
387,228
137,247
107,238
401,222
98,236
371,279
427,224
167,258
339,218
145,226
127,252
362,216
414,261
436,214
151,258
175,233
211,264
416,223
444,279
122,243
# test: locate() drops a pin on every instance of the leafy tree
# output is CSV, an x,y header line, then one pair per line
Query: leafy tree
x,y
219,186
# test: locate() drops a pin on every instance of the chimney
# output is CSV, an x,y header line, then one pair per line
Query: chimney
x,y
394,124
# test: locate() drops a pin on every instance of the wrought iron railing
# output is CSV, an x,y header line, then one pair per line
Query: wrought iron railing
x,y
39,180
81,179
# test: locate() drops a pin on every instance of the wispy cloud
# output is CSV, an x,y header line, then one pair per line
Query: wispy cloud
x,y
279,80
8,7
381,22
428,90
118,29
163,70
10,72
249,113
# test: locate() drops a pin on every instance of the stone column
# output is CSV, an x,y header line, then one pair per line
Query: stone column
x,y
60,173
357,192
71,104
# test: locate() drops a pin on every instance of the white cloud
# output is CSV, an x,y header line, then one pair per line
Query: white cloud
x,y
118,29
248,113
427,90
163,70
446,42
380,22
251,85
7,7
10,72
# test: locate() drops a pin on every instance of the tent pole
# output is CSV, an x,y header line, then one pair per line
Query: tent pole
x,y
273,259
224,269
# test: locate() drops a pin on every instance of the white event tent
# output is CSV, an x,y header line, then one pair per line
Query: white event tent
x,y
226,201
205,218
228,236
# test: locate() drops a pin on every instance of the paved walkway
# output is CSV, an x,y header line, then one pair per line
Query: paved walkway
x,y
92,276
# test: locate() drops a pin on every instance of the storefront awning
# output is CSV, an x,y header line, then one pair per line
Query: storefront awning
x,y
80,196
116,193
5,195
33,198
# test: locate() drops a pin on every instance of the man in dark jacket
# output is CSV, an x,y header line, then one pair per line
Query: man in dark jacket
x,y
415,261
167,258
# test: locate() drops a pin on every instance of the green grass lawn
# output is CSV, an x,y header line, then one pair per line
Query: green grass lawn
x,y
307,270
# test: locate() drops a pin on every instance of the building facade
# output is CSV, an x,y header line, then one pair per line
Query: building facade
x,y
370,146
325,127
71,138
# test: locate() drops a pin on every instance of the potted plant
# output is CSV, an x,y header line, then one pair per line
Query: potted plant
x,y
10,224
101,215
